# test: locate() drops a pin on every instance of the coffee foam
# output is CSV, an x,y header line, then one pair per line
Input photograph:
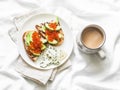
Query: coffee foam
x,y
92,37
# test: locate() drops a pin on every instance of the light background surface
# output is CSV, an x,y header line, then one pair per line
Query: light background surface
x,y
87,72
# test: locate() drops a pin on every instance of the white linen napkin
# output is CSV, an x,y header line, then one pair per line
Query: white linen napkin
x,y
37,75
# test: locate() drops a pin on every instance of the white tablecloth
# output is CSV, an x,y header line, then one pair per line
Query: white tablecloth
x,y
87,72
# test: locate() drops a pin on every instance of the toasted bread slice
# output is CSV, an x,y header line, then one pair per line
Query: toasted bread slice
x,y
30,51
42,29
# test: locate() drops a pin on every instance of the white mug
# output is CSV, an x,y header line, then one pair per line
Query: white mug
x,y
91,40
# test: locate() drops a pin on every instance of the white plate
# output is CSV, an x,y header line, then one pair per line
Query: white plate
x,y
30,25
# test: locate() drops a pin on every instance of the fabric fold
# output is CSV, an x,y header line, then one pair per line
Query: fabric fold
x,y
33,73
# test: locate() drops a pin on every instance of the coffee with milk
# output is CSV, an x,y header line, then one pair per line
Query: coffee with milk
x,y
92,37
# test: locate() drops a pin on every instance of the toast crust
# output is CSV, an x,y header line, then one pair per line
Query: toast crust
x,y
61,39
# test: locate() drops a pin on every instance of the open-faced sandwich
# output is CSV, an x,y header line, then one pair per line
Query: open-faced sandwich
x,y
51,31
34,44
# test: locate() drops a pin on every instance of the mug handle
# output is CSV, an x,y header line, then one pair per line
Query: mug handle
x,y
101,54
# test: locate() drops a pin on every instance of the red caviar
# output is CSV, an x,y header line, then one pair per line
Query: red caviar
x,y
35,45
52,35
53,25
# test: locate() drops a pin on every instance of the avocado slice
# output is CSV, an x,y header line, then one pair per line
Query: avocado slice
x,y
58,28
43,40
54,42
51,42
48,27
43,28
43,47
57,20
28,38
35,54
